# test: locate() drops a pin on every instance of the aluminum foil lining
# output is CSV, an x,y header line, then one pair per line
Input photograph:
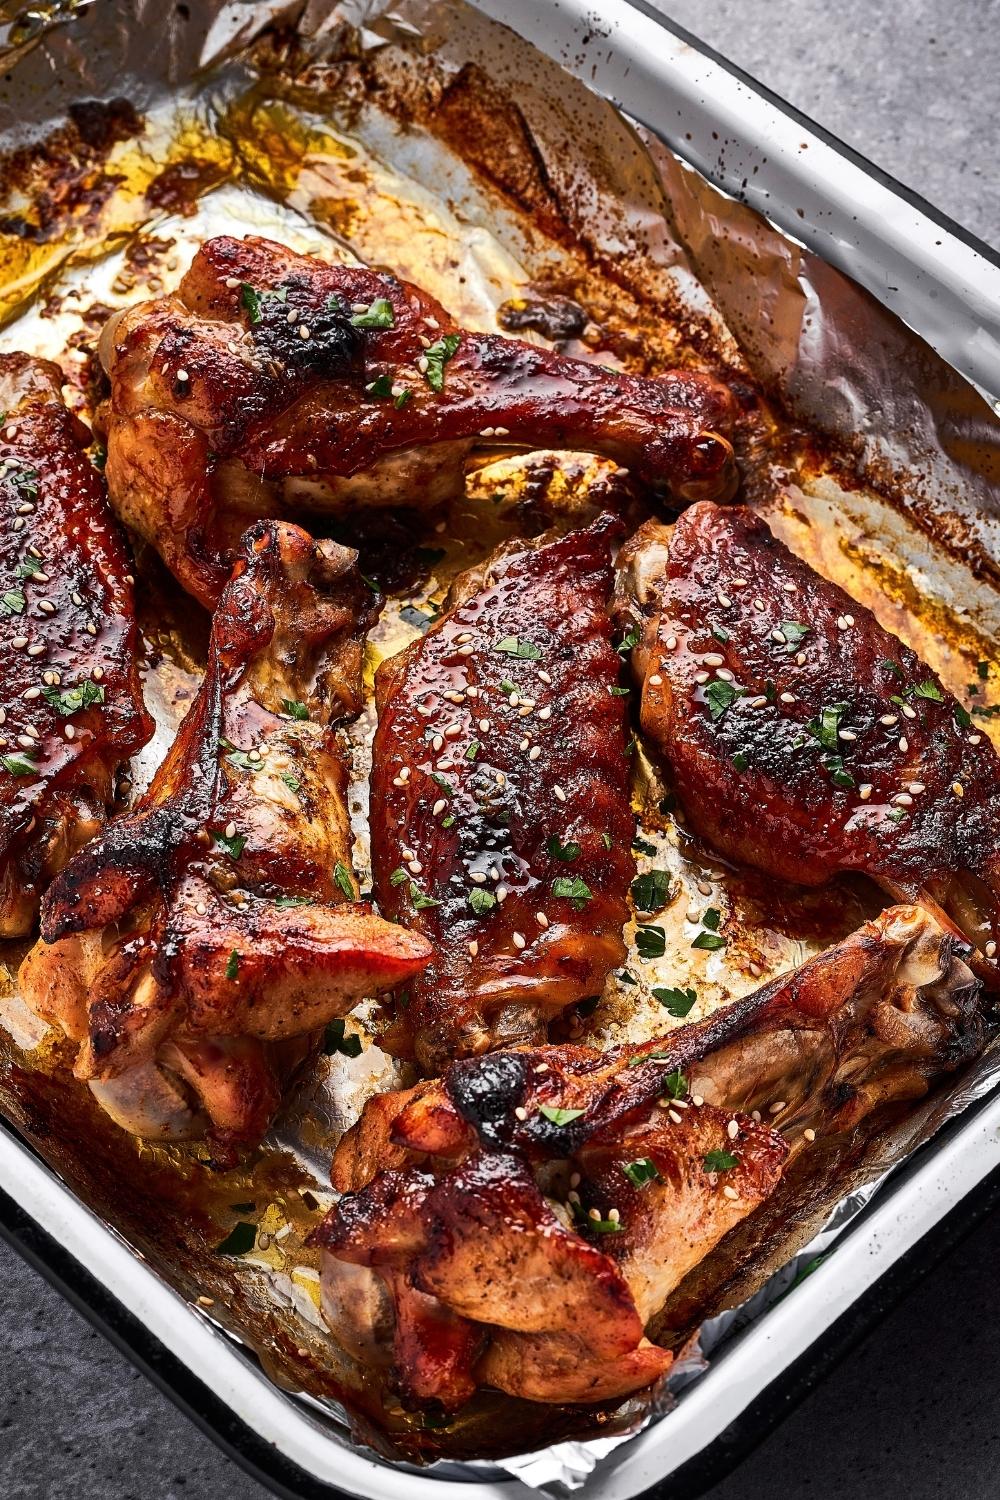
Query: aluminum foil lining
x,y
841,362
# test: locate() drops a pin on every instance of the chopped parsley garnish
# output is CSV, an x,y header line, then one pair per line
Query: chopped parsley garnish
x,y
675,1085
398,876
342,879
640,846
712,918
962,717
445,785
233,846
676,1002
650,942
929,689
721,1161
709,941
401,398
437,356
793,631
512,645
72,700
982,670
602,1226
606,840
507,686
336,1039
559,1116
240,759
12,602
285,903
481,901
20,764
896,814
721,634
566,852
233,965
30,568
740,761
378,315
641,1172
473,750
627,642
449,821
719,695
573,889
420,901
252,299
292,782
824,727
890,666
381,386
295,708
619,692
239,1241
839,774
626,978
651,890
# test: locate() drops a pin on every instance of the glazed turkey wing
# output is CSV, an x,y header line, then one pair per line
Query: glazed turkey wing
x,y
501,822
195,951
71,708
803,738
534,1209
273,381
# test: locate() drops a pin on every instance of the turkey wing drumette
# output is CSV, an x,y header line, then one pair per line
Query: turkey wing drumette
x,y
803,738
518,1223
501,823
70,705
197,948
274,382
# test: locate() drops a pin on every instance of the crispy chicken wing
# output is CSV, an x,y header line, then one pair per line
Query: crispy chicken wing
x,y
195,950
536,1207
803,738
70,704
501,822
274,382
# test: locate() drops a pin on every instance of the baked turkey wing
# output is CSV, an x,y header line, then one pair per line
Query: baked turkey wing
x,y
196,950
273,381
71,710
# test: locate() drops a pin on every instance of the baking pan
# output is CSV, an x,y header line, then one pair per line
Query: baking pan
x,y
946,288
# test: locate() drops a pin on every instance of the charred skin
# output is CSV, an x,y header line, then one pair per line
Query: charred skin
x,y
807,752
496,776
477,1194
222,410
196,949
72,709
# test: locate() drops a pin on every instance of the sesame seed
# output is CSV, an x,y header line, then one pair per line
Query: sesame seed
x,y
865,790
404,774
19,642
655,680
724,599
809,1134
904,743
910,713
958,789
201,909
303,331
521,1112
76,598
758,604
500,779
974,739
519,940
903,800
501,893
398,781
730,1193
759,702
524,744
69,731
3,716
454,696
545,714
484,725
452,731
574,1180
466,635
232,282
725,675
439,806
704,887
31,693
494,873
701,677
732,1130
849,619
673,1115
671,643
789,587
889,719
90,628
38,650
437,743
713,659
30,729
842,623
183,376
990,949
572,1196
559,794
593,1213
534,752
777,635
788,697
473,947
46,606
739,583
544,676
513,700
359,307
777,1107
409,853
800,657
846,734
697,1101
423,365
916,787
472,692
614,1216
541,919
483,431
755,969
25,741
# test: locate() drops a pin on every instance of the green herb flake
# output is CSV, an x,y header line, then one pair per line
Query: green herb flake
x,y
839,774
627,642
676,1002
675,1085
378,315
572,888
481,900
982,670
233,965
437,356
619,692
721,634
566,852
379,387
650,942
891,666
419,900
559,1116
337,1039
73,700
30,568
640,846
793,632
292,782
712,918
12,602
401,397
20,764
240,1240
606,840
443,783
233,846
651,890
721,1161
709,941
512,645
719,696
641,1172
286,903
824,727
449,821
398,876
343,880
296,709
929,689
626,978
740,761
250,298
473,750
962,717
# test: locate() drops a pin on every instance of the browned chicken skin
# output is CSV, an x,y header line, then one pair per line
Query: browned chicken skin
x,y
196,949
70,704
501,822
275,383
522,1220
803,738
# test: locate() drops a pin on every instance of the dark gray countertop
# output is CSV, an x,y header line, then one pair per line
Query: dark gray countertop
x,y
916,1409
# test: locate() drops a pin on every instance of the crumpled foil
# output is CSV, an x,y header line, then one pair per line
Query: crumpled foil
x,y
840,363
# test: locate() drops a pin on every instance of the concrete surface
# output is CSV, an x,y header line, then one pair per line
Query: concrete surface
x,y
916,1410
